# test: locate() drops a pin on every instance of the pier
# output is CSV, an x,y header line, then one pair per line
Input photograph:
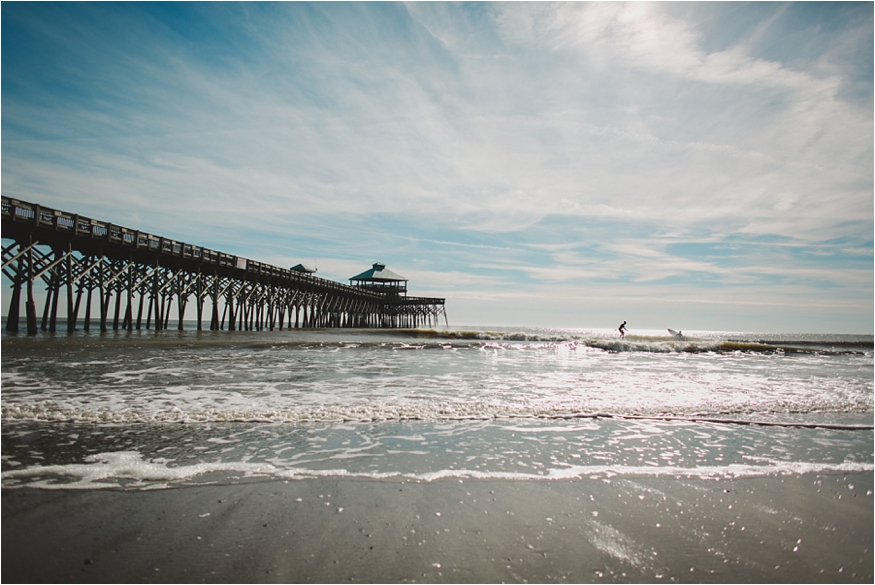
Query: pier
x,y
137,278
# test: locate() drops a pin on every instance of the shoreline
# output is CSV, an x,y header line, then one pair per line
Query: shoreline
x,y
799,528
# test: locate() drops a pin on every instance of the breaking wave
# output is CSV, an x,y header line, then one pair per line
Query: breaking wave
x,y
652,343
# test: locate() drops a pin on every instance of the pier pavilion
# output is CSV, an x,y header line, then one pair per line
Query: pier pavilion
x,y
381,280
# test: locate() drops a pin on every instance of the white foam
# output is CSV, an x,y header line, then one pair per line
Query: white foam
x,y
130,470
105,470
555,378
609,540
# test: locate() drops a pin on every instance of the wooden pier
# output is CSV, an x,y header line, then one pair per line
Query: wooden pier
x,y
138,277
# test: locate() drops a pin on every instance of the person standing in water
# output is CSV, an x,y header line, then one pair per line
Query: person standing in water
x,y
622,329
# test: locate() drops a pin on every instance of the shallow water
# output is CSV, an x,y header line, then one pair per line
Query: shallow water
x,y
149,409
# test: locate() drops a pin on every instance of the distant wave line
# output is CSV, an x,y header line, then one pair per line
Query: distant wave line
x,y
729,421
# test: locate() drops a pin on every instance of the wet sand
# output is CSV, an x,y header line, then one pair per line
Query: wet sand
x,y
802,528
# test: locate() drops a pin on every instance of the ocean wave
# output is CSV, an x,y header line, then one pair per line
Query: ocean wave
x,y
808,416
130,470
456,339
646,343
430,340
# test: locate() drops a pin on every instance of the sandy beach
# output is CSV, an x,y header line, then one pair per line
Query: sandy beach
x,y
801,528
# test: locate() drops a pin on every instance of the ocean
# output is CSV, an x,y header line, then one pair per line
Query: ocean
x,y
149,410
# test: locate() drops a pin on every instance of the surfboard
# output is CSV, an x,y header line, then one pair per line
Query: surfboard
x,y
674,333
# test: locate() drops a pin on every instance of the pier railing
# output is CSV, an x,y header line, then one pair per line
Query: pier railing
x,y
137,277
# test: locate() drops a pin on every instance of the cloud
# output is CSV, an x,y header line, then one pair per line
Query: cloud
x,y
510,144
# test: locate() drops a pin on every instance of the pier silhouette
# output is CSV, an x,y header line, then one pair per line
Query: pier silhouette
x,y
137,278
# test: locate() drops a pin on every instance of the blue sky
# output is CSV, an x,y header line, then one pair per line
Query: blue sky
x,y
684,165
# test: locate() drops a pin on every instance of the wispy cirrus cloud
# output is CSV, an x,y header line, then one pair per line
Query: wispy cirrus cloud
x,y
500,150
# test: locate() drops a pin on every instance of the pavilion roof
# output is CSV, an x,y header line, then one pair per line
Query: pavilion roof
x,y
303,268
379,273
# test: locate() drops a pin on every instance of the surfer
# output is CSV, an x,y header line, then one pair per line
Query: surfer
x,y
622,329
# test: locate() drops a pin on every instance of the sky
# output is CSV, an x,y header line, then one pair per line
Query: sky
x,y
699,166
